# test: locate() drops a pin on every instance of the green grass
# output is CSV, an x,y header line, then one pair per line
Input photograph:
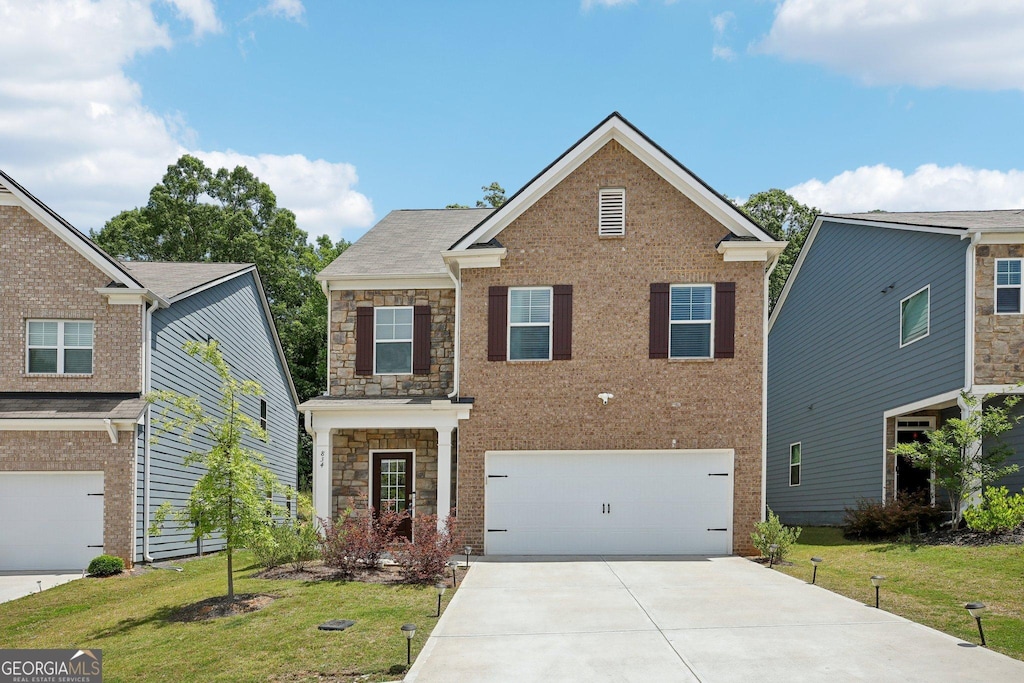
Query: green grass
x,y
927,584
128,617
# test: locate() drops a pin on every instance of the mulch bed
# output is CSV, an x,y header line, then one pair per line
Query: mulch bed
x,y
966,537
221,606
388,574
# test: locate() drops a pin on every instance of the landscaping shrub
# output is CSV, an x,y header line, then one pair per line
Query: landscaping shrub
x,y
351,541
773,532
288,542
874,520
425,560
106,565
303,544
999,512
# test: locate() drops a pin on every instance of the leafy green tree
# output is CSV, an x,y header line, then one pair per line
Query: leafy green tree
x,y
954,453
494,196
230,498
784,218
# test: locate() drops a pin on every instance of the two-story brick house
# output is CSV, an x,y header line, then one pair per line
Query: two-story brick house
x,y
884,321
82,338
578,371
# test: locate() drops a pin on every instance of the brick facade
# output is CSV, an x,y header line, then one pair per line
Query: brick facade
x,y
83,451
998,339
344,381
658,404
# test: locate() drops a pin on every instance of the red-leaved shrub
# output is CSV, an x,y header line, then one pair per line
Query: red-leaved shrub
x,y
425,560
352,542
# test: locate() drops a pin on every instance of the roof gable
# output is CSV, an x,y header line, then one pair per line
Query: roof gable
x,y
174,280
617,128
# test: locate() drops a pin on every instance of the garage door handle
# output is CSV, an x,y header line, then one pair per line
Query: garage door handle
x,y
489,530
717,529
94,494
718,474
95,546
497,476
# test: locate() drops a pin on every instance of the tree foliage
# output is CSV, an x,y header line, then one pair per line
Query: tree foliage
x,y
784,218
961,466
494,196
231,496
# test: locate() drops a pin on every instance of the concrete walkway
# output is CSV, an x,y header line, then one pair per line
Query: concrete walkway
x,y
680,619
14,585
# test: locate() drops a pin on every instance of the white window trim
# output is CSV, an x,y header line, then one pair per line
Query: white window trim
x,y
799,466
60,347
710,321
601,194
412,350
550,325
912,428
1020,287
928,328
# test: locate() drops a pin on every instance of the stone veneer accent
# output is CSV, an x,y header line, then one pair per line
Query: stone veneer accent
x,y
43,277
83,451
351,473
998,339
344,381
553,405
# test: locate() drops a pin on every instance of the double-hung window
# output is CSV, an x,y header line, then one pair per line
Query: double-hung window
x,y
393,340
529,328
795,458
60,347
914,316
690,316
1008,285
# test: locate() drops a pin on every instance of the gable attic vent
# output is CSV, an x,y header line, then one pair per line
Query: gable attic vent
x,y
612,212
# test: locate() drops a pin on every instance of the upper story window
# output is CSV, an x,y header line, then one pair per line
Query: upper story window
x,y
1008,285
529,328
690,315
611,212
263,417
795,459
393,340
60,347
914,316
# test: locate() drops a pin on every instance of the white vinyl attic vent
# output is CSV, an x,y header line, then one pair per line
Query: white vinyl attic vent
x,y
612,212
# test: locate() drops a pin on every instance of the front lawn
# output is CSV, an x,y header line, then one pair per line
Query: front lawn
x,y
926,584
132,619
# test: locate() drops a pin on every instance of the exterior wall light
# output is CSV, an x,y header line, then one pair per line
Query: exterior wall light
x,y
408,630
815,561
440,588
977,609
876,581
772,550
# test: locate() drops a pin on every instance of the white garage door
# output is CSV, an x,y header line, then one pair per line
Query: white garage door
x,y
50,520
676,502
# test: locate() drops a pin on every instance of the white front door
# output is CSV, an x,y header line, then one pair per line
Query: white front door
x,y
672,502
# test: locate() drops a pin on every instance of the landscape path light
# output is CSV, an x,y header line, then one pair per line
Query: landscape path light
x,y
772,549
814,577
453,564
440,588
876,581
469,551
977,609
409,630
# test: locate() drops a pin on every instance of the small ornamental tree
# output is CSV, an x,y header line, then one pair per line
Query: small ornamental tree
x,y
954,452
230,497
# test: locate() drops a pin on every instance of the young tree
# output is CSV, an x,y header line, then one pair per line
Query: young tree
x,y
954,452
230,497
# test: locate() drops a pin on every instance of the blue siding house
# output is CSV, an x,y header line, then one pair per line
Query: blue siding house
x,y
884,321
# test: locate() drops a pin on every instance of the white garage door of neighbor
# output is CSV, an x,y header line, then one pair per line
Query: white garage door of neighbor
x,y
676,502
50,520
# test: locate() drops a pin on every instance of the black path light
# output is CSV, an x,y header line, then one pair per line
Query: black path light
x,y
977,609
814,577
772,549
876,581
453,564
469,551
440,588
409,630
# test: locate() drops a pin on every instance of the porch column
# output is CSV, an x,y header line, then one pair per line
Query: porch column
x,y
322,474
966,412
444,474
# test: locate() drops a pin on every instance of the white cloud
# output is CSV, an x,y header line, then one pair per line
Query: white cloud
x,y
201,13
587,4
976,44
74,129
720,23
928,188
292,10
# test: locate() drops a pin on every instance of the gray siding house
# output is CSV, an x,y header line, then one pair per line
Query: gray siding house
x,y
885,320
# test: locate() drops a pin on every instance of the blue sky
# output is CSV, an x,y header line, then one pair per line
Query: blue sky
x,y
350,110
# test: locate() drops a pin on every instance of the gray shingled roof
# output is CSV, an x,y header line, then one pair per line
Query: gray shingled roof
x,y
1006,218
168,280
406,242
70,405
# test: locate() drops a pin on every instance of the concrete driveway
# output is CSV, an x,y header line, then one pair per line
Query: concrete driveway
x,y
14,585
680,619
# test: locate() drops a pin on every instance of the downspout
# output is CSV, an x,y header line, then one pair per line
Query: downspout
x,y
147,387
764,387
458,320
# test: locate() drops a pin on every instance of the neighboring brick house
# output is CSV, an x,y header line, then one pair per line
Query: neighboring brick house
x,y
82,338
578,371
885,320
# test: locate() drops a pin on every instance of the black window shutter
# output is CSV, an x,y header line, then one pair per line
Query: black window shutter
x,y
659,320
497,323
364,340
421,340
561,320
725,319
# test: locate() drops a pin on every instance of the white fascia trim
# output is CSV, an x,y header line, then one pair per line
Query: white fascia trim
x,y
67,424
894,226
997,236
614,129
922,404
986,389
750,251
434,415
121,296
475,258
815,227
7,199
395,281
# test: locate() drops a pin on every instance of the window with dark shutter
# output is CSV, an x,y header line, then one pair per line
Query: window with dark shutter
x,y
497,322
561,318
659,321
364,340
421,341
725,319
